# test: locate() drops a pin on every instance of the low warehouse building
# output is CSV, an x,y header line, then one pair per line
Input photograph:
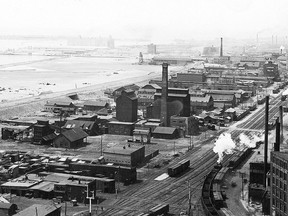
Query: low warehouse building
x,y
41,210
121,128
128,156
70,139
165,133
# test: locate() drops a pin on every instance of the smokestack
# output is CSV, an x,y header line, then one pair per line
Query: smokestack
x,y
281,123
277,142
276,39
164,118
266,140
221,47
272,39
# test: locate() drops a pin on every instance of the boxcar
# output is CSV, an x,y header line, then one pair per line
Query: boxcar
x,y
160,209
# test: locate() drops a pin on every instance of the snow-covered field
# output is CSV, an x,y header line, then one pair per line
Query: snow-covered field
x,y
42,77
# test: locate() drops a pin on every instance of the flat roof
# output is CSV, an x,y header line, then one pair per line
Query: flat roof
x,y
121,150
123,123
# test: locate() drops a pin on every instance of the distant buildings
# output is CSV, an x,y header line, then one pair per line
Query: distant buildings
x,y
151,49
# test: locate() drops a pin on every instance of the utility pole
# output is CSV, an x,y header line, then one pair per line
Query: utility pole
x,y
90,200
242,175
189,198
101,146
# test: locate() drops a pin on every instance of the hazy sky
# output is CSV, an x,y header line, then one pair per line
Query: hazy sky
x,y
150,19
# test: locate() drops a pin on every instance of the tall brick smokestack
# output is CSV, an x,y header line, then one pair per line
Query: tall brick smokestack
x,y
277,142
266,140
164,96
221,47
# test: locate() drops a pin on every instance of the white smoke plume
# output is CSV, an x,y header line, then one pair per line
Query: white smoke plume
x,y
285,92
250,141
224,144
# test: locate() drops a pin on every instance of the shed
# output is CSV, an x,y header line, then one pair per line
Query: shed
x,y
70,139
41,210
165,133
8,209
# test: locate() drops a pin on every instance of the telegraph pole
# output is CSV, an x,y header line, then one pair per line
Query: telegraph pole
x,y
90,200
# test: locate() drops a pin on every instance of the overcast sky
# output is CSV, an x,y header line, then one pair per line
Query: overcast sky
x,y
155,20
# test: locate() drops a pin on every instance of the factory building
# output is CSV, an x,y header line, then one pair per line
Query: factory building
x,y
171,60
151,49
90,127
117,92
73,138
270,69
121,128
198,104
224,100
178,103
125,155
40,130
191,77
165,133
279,182
146,95
185,125
94,105
60,106
127,106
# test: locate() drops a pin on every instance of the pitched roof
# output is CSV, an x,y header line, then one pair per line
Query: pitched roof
x,y
95,103
45,186
164,130
49,137
42,210
200,99
5,205
85,125
75,134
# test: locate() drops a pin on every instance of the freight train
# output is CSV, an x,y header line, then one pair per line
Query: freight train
x,y
178,168
213,198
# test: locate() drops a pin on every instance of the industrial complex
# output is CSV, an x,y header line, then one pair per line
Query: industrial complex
x,y
205,136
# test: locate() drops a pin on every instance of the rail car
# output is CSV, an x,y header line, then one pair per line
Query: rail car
x,y
179,167
160,209
213,199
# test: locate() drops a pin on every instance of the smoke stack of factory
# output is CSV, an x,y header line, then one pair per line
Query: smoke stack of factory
x,y
281,123
221,47
277,141
164,96
266,140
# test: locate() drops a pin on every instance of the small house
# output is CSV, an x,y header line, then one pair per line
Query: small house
x,y
70,139
165,133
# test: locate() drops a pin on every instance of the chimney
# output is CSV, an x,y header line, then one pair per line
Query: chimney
x,y
277,142
164,117
266,140
272,39
276,39
221,47
281,123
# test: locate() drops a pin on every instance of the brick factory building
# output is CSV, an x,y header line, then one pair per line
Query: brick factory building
x,y
40,130
178,103
73,138
185,125
90,127
116,93
121,128
270,69
127,106
125,155
198,104
146,95
94,105
191,77
279,183
165,133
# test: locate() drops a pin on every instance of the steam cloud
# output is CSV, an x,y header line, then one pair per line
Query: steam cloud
x,y
225,144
